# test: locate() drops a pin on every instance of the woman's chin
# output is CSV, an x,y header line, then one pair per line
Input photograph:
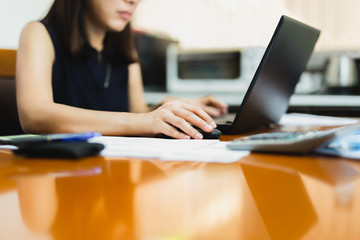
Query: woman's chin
x,y
118,27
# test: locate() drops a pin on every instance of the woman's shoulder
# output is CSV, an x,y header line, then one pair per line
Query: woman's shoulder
x,y
35,36
36,27
34,30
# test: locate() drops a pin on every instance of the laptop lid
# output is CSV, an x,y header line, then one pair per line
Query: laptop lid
x,y
275,79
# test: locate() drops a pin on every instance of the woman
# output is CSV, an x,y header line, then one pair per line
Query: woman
x,y
77,70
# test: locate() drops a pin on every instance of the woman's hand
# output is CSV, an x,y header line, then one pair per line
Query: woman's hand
x,y
211,105
178,114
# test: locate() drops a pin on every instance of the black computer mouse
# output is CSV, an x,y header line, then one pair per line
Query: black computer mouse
x,y
214,134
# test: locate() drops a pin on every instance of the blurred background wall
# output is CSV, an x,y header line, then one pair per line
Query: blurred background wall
x,y
213,23
14,14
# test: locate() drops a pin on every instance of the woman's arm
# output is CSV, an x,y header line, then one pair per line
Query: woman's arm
x,y
136,90
37,111
210,104
39,114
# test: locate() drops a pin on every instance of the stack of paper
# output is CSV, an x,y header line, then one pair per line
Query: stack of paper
x,y
169,149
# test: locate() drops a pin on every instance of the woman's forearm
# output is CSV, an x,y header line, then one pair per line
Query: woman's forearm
x,y
59,118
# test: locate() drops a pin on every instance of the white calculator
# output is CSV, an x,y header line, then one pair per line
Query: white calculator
x,y
289,142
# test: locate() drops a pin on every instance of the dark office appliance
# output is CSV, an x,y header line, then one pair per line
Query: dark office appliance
x,y
342,75
209,65
211,70
152,54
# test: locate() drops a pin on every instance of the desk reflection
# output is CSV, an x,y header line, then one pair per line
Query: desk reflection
x,y
325,169
277,197
282,201
92,203
134,200
333,187
6,167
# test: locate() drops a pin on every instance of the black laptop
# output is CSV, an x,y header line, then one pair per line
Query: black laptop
x,y
268,95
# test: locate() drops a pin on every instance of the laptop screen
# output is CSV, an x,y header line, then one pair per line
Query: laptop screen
x,y
275,79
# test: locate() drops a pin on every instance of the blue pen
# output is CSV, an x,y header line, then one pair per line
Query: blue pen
x,y
71,137
27,139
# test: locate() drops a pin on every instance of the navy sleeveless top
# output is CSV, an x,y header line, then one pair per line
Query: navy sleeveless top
x,y
88,83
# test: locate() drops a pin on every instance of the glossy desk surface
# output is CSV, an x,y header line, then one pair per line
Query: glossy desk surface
x,y
261,196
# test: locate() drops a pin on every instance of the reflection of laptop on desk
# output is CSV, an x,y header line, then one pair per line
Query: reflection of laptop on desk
x,y
282,200
268,95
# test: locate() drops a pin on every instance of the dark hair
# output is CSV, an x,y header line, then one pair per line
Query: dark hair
x,y
68,17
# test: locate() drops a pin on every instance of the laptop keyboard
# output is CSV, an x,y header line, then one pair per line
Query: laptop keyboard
x,y
226,119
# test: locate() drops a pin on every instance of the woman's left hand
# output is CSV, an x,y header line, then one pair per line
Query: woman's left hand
x,y
211,105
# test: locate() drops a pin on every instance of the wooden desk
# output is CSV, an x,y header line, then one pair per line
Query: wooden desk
x,y
9,120
7,62
259,197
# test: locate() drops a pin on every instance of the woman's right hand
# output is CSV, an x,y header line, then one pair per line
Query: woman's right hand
x,y
178,114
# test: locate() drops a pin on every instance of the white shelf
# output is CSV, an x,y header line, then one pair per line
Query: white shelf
x,y
325,100
296,100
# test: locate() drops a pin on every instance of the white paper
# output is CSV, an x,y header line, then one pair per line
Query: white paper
x,y
169,149
299,119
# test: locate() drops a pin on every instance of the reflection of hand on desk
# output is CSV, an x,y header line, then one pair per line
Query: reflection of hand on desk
x,y
171,168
